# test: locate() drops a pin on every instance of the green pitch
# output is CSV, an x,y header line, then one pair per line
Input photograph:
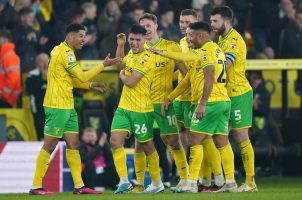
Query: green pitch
x,y
269,188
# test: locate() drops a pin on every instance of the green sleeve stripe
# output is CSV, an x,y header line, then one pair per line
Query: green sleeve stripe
x,y
72,66
139,71
208,65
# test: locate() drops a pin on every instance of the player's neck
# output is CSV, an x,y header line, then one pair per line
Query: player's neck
x,y
154,40
227,30
68,44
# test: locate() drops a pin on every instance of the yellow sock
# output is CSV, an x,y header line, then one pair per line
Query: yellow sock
x,y
227,158
205,171
153,165
214,157
196,156
181,163
74,161
248,158
120,162
140,163
42,163
170,149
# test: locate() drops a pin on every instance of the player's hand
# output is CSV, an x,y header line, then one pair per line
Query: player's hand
x,y
156,51
99,86
200,111
121,39
112,61
165,106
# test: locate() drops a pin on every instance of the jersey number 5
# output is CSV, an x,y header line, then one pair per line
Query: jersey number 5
x,y
220,77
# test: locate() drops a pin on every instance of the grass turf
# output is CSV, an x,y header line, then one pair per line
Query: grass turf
x,y
276,188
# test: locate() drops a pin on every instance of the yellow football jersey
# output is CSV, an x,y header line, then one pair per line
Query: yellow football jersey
x,y
59,80
234,48
164,70
208,55
138,98
186,95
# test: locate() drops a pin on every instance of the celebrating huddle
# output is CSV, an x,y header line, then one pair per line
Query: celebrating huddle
x,y
212,93
214,82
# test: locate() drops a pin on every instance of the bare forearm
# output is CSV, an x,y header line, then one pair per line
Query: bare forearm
x,y
207,89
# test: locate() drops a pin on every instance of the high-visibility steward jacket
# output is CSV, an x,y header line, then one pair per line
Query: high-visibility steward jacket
x,y
10,74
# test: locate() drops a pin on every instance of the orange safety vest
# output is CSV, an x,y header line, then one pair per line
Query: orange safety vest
x,y
10,75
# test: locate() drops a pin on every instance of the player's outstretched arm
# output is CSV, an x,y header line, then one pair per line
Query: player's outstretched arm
x,y
178,56
85,76
99,86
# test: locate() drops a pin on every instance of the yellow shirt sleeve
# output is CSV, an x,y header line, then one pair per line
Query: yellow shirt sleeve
x,y
206,58
179,56
231,49
78,84
181,87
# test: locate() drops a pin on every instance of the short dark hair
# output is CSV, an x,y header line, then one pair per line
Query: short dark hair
x,y
225,12
25,11
74,28
138,29
200,26
149,16
186,12
6,34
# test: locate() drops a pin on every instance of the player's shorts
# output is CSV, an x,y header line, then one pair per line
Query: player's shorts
x,y
60,121
139,123
242,110
182,110
215,120
167,124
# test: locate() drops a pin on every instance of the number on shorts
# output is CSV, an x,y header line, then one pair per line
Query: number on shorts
x,y
140,129
172,120
237,115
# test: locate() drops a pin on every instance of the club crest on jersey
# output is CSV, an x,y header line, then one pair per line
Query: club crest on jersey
x,y
144,60
204,56
70,58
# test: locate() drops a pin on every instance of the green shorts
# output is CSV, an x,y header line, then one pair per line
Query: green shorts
x,y
167,124
60,121
242,110
133,122
215,120
182,110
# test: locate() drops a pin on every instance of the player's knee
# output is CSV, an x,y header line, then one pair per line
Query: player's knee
x,y
241,135
50,146
115,142
175,146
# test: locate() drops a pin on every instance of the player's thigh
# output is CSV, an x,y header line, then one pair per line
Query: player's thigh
x,y
55,121
121,121
223,123
142,126
187,114
241,110
179,112
208,124
72,125
167,124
